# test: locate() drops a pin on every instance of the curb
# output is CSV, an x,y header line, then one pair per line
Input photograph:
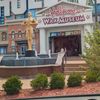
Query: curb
x,y
69,96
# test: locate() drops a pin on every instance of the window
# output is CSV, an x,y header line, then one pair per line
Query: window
x,y
38,0
13,46
1,11
33,46
13,49
89,2
18,4
20,34
4,36
1,15
73,1
13,35
3,50
19,16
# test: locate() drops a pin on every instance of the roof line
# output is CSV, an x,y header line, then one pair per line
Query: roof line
x,y
63,1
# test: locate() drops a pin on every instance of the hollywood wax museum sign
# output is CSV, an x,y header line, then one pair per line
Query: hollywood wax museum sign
x,y
12,6
59,15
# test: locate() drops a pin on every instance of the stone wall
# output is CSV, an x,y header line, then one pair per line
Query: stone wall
x,y
29,72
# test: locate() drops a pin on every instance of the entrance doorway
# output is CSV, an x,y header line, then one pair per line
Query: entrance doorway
x,y
21,46
72,43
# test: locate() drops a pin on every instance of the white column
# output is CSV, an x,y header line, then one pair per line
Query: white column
x,y
43,41
82,41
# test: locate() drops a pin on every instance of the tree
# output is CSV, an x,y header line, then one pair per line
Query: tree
x,y
92,49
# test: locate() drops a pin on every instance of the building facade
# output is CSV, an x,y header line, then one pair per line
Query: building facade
x,y
12,34
64,25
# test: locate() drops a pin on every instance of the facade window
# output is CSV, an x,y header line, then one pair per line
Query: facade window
x,y
73,1
18,4
4,36
89,2
1,11
13,49
13,35
13,46
33,46
9,17
38,0
20,34
20,16
3,50
1,15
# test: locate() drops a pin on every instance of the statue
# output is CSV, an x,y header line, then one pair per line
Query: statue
x,y
29,24
49,53
17,56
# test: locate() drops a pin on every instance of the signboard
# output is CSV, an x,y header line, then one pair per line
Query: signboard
x,y
65,20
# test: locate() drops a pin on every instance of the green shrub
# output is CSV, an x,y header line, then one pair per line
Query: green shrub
x,y
98,79
74,79
40,82
12,85
57,81
98,73
91,76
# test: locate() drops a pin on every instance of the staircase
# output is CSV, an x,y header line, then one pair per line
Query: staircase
x,y
75,64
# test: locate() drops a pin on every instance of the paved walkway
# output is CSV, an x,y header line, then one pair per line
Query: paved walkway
x,y
26,82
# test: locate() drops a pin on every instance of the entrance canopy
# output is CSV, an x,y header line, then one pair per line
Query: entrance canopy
x,y
64,14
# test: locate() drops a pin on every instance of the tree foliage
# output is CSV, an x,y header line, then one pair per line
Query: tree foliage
x,y
92,49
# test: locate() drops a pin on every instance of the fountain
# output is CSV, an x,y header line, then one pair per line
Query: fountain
x,y
31,63
29,66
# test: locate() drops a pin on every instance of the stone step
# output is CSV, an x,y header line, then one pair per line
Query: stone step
x,y
75,68
75,62
76,65
74,58
69,68
69,72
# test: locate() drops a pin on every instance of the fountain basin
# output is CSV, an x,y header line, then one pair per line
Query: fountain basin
x,y
28,66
